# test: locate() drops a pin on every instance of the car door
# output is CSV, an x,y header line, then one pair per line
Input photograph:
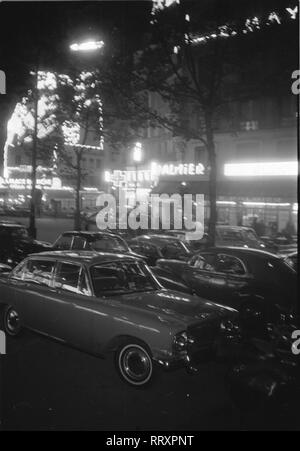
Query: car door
x,y
72,317
198,274
230,280
34,294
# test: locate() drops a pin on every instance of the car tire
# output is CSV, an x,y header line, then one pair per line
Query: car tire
x,y
10,321
134,363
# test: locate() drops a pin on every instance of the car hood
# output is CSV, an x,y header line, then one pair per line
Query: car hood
x,y
174,306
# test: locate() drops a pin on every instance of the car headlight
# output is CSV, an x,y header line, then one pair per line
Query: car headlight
x,y
181,341
230,326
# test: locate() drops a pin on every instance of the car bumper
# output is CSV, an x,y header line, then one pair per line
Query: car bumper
x,y
224,347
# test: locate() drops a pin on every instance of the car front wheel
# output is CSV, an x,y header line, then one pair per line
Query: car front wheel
x,y
11,321
134,364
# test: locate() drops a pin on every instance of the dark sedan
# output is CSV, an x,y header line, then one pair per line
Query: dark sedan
x,y
154,247
15,243
259,284
93,241
111,303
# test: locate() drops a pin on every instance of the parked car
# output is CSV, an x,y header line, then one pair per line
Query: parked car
x,y
292,260
108,242
5,269
280,244
15,243
258,284
237,236
93,241
155,247
111,303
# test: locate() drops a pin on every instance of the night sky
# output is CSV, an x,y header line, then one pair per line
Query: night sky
x,y
52,26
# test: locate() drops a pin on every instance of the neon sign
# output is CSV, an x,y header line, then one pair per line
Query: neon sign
x,y
275,169
154,173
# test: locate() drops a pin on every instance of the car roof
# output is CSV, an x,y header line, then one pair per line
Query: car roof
x,y
88,257
10,225
157,238
246,251
233,227
87,234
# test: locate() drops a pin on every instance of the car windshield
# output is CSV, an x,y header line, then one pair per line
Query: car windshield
x,y
250,235
16,232
122,278
177,246
107,243
231,235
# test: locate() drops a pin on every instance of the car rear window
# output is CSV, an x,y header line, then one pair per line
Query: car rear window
x,y
108,243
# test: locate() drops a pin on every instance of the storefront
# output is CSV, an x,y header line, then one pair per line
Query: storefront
x,y
246,192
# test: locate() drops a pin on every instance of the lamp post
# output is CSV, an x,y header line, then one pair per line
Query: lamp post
x,y
32,219
137,158
86,47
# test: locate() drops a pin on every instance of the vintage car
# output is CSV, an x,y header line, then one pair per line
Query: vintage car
x,y
100,241
232,236
254,282
292,260
156,246
107,242
15,243
110,303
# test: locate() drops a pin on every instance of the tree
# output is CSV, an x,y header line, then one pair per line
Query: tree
x,y
202,56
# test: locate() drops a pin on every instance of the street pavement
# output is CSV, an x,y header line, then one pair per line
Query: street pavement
x,y
49,386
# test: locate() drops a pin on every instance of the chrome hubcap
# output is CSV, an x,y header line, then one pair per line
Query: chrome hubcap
x,y
136,364
12,321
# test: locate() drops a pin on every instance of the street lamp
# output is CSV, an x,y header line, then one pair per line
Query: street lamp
x,y
137,158
87,46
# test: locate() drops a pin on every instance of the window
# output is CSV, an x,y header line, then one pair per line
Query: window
x,y
19,271
229,264
123,277
250,235
200,155
230,235
98,164
84,285
64,242
174,250
67,277
203,262
79,243
107,243
150,251
39,272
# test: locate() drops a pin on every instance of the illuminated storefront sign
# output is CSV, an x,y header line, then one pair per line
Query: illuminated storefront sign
x,y
274,169
155,172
